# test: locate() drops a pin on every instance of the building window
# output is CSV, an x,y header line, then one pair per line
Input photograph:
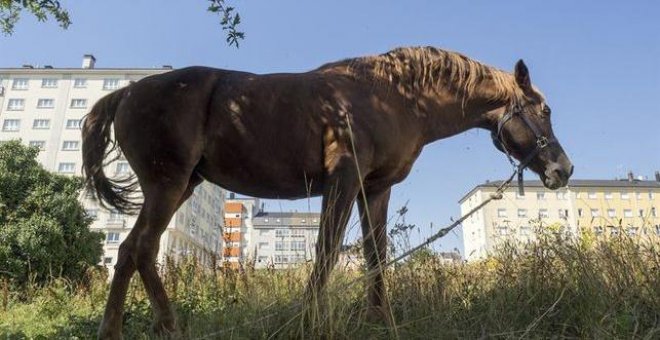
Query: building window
x,y
592,195
281,259
80,83
297,232
598,230
264,245
78,103
522,212
611,213
631,231
653,213
543,213
657,229
16,104
651,195
281,232
608,195
11,125
501,212
115,215
563,213
49,83
19,84
46,103
525,230
625,196
92,213
66,168
73,124
40,144
614,231
122,168
112,238
281,245
40,124
540,196
627,213
562,195
641,212
70,145
579,212
298,245
107,261
110,84
502,230
595,213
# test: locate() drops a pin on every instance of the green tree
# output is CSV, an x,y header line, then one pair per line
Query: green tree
x,y
44,229
10,11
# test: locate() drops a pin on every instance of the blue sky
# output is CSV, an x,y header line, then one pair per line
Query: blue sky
x,y
598,62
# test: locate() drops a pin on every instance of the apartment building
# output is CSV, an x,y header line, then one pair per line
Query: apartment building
x,y
237,232
43,107
283,239
267,239
604,208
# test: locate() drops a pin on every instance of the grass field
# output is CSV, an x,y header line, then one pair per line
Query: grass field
x,y
552,288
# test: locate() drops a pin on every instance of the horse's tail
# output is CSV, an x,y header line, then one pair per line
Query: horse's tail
x,y
97,144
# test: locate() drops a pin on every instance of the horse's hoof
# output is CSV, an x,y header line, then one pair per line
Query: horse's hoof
x,y
165,328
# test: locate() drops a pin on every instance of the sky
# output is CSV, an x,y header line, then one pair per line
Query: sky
x,y
597,62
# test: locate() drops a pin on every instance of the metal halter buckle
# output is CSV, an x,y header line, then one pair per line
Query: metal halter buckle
x,y
541,142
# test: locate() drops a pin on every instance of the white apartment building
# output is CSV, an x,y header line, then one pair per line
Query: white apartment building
x,y
604,208
267,239
43,107
283,239
237,232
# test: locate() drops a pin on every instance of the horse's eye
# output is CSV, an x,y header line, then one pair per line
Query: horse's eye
x,y
546,109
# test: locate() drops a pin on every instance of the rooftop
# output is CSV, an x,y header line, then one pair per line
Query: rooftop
x,y
577,183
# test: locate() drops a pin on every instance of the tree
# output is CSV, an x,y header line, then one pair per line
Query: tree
x,y
10,11
44,229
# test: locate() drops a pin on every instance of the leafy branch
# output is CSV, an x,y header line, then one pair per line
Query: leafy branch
x,y
10,11
42,9
229,21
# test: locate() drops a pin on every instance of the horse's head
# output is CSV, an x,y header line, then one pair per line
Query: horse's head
x,y
524,131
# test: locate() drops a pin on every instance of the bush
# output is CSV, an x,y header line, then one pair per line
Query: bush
x,y
44,231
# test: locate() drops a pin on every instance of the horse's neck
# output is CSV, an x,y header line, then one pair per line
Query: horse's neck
x,y
456,115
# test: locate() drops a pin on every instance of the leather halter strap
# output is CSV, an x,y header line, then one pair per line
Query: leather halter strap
x,y
541,140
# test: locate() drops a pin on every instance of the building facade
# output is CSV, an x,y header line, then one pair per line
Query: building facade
x,y
267,239
43,107
281,240
605,208
237,232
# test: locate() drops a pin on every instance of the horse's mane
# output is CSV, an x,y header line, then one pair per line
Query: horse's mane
x,y
423,68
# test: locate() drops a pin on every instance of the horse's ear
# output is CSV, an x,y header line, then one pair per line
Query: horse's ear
x,y
522,75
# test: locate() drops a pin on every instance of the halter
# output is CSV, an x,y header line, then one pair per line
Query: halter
x,y
541,141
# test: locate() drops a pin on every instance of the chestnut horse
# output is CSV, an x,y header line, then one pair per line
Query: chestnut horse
x,y
348,131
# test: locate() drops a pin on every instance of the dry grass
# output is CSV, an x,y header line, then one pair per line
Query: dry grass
x,y
552,288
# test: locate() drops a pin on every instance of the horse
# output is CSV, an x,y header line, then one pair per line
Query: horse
x,y
348,131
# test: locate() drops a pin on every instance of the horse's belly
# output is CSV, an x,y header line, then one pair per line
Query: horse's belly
x,y
265,177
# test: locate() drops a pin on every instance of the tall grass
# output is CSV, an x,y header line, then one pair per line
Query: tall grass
x,y
553,287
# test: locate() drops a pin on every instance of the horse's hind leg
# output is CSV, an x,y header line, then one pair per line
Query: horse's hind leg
x,y
139,251
164,199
